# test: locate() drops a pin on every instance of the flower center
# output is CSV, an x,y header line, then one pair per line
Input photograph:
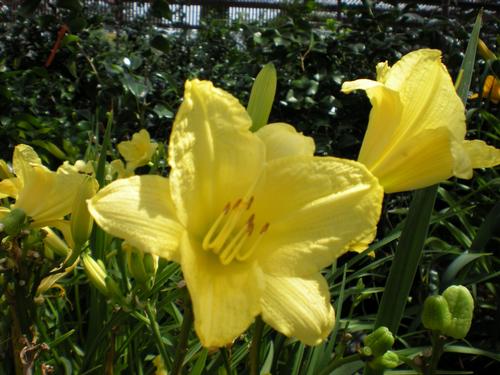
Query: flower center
x,y
232,236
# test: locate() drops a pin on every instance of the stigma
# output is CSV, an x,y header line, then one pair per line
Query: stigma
x,y
233,236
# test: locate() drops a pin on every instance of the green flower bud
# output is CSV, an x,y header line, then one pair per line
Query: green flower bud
x,y
81,221
388,360
380,341
142,266
12,223
95,273
436,314
461,306
55,243
150,263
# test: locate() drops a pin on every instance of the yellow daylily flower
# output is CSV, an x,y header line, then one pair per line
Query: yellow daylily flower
x,y
416,131
252,218
43,195
138,151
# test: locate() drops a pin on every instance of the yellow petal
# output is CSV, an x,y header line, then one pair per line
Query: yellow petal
x,y
226,299
5,170
47,195
426,160
318,208
138,151
481,154
24,157
9,188
140,210
299,307
384,123
414,101
214,157
283,140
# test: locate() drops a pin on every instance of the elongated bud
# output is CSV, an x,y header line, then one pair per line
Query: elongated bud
x,y
13,222
461,306
55,243
150,263
262,96
95,273
436,314
142,266
484,51
379,341
81,221
388,360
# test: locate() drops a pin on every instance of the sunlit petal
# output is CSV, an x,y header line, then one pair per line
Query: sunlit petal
x,y
139,209
9,188
299,307
318,208
47,195
24,158
481,154
283,140
214,157
226,299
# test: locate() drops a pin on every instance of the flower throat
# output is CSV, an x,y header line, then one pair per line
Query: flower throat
x,y
231,236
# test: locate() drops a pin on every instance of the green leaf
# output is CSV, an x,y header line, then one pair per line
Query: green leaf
x,y
262,96
406,260
28,7
467,67
489,227
73,5
457,265
160,43
50,147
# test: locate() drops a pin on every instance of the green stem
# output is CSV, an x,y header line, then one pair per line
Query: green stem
x,y
437,351
255,348
340,362
155,329
227,360
181,350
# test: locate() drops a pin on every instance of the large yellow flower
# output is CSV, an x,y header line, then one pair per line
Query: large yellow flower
x,y
44,196
416,131
251,217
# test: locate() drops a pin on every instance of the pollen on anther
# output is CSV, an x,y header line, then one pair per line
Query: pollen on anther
x,y
250,201
264,228
237,203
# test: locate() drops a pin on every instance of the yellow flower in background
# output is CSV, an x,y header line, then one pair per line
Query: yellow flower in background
x,y
251,217
138,151
43,195
416,131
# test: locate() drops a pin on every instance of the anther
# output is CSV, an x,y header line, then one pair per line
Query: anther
x,y
250,202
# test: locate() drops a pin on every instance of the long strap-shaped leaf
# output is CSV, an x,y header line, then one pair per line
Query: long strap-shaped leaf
x,y
409,249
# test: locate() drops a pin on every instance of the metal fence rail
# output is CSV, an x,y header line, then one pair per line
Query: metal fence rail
x,y
190,13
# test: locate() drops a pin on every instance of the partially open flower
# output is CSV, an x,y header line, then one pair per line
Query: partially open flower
x,y
416,132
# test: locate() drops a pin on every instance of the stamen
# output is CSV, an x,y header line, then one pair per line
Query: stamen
x,y
233,248
250,201
207,240
246,254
